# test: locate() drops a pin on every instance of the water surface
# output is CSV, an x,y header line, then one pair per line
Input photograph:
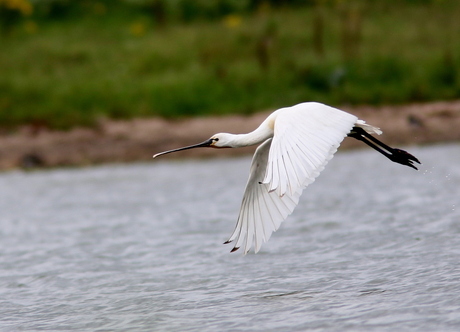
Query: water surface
x,y
372,246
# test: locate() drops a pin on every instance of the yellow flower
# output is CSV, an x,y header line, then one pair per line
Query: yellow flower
x,y
138,29
30,27
232,21
23,6
99,8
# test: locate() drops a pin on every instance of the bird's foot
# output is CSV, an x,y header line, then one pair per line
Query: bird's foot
x,y
403,157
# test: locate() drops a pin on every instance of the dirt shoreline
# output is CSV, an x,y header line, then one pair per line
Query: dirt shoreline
x,y
138,139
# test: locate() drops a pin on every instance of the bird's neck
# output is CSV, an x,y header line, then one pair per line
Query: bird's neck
x,y
257,136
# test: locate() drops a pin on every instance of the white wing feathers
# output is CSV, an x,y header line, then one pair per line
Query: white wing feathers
x,y
306,136
261,211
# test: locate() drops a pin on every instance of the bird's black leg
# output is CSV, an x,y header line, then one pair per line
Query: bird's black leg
x,y
396,155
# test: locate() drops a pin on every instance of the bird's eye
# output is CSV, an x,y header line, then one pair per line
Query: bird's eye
x,y
215,139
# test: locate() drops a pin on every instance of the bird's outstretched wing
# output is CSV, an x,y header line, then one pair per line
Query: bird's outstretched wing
x,y
306,136
261,211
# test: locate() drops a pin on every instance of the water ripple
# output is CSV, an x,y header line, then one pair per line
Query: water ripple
x,y
372,246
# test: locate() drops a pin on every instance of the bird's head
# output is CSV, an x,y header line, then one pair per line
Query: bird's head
x,y
220,140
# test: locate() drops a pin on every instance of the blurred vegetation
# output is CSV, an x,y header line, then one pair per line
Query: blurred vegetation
x,y
73,62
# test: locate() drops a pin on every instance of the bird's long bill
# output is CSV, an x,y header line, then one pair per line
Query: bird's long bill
x,y
206,143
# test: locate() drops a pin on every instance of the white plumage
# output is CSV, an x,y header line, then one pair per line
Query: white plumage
x,y
297,143
305,138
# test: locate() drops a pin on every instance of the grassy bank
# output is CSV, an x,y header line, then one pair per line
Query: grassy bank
x,y
70,72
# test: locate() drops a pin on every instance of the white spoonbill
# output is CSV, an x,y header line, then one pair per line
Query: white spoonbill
x,y
297,142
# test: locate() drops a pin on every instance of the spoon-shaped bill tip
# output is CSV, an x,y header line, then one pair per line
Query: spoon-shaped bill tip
x,y
206,143
156,155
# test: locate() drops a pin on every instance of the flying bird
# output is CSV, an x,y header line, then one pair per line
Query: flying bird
x,y
297,143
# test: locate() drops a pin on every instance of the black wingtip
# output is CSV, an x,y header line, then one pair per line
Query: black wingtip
x,y
227,242
234,249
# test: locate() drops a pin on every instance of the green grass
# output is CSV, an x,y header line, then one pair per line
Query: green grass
x,y
76,71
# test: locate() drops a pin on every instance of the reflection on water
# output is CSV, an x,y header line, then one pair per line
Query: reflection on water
x,y
372,245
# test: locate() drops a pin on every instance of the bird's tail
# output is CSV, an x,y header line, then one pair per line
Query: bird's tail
x,y
368,128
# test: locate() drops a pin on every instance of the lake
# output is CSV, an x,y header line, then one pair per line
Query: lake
x,y
372,246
